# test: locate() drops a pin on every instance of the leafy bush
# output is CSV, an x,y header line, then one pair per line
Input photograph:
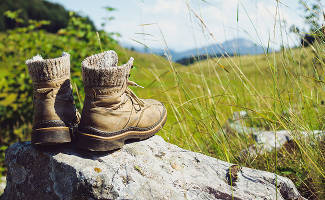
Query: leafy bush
x,y
282,90
314,19
36,10
16,106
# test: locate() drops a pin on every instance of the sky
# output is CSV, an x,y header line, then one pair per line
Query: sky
x,y
186,24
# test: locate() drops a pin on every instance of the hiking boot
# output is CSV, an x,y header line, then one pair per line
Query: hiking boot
x,y
54,110
112,113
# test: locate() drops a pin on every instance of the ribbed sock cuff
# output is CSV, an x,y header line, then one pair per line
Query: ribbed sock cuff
x,y
101,70
42,70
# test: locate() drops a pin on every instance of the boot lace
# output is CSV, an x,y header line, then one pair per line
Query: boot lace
x,y
132,94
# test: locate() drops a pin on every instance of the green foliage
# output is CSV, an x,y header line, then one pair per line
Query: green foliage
x,y
2,157
16,107
314,17
108,19
32,24
19,44
78,28
313,14
283,90
37,10
14,15
109,9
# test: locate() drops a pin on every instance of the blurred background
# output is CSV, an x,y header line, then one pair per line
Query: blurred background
x,y
256,21
226,70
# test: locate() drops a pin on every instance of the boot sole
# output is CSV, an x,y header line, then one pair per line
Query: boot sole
x,y
99,143
51,136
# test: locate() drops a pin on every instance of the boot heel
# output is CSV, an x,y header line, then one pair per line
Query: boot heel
x,y
51,136
96,144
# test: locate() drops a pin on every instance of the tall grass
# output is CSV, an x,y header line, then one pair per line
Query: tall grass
x,y
281,91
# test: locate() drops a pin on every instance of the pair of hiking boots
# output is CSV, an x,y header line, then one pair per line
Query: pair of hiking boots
x,y
112,113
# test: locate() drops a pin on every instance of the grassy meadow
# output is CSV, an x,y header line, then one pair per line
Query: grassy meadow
x,y
280,90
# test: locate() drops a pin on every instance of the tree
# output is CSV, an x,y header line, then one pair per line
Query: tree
x,y
314,18
37,10
314,14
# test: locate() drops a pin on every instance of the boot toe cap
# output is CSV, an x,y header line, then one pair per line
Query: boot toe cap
x,y
153,113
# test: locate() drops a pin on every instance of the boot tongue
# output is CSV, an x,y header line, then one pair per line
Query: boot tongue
x,y
108,59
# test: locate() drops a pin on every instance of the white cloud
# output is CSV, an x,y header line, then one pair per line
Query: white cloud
x,y
164,6
256,22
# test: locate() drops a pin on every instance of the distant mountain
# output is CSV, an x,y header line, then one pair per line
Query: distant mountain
x,y
143,49
238,46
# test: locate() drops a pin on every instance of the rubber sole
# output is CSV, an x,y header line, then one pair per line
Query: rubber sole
x,y
51,136
99,143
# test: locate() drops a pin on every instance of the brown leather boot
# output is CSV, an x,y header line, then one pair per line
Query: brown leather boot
x,y
112,113
54,111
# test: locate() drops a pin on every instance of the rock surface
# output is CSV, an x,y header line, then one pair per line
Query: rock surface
x,y
2,184
150,169
266,141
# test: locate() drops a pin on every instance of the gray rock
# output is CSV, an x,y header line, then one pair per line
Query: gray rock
x,y
272,139
241,128
150,169
237,123
266,141
239,115
2,184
